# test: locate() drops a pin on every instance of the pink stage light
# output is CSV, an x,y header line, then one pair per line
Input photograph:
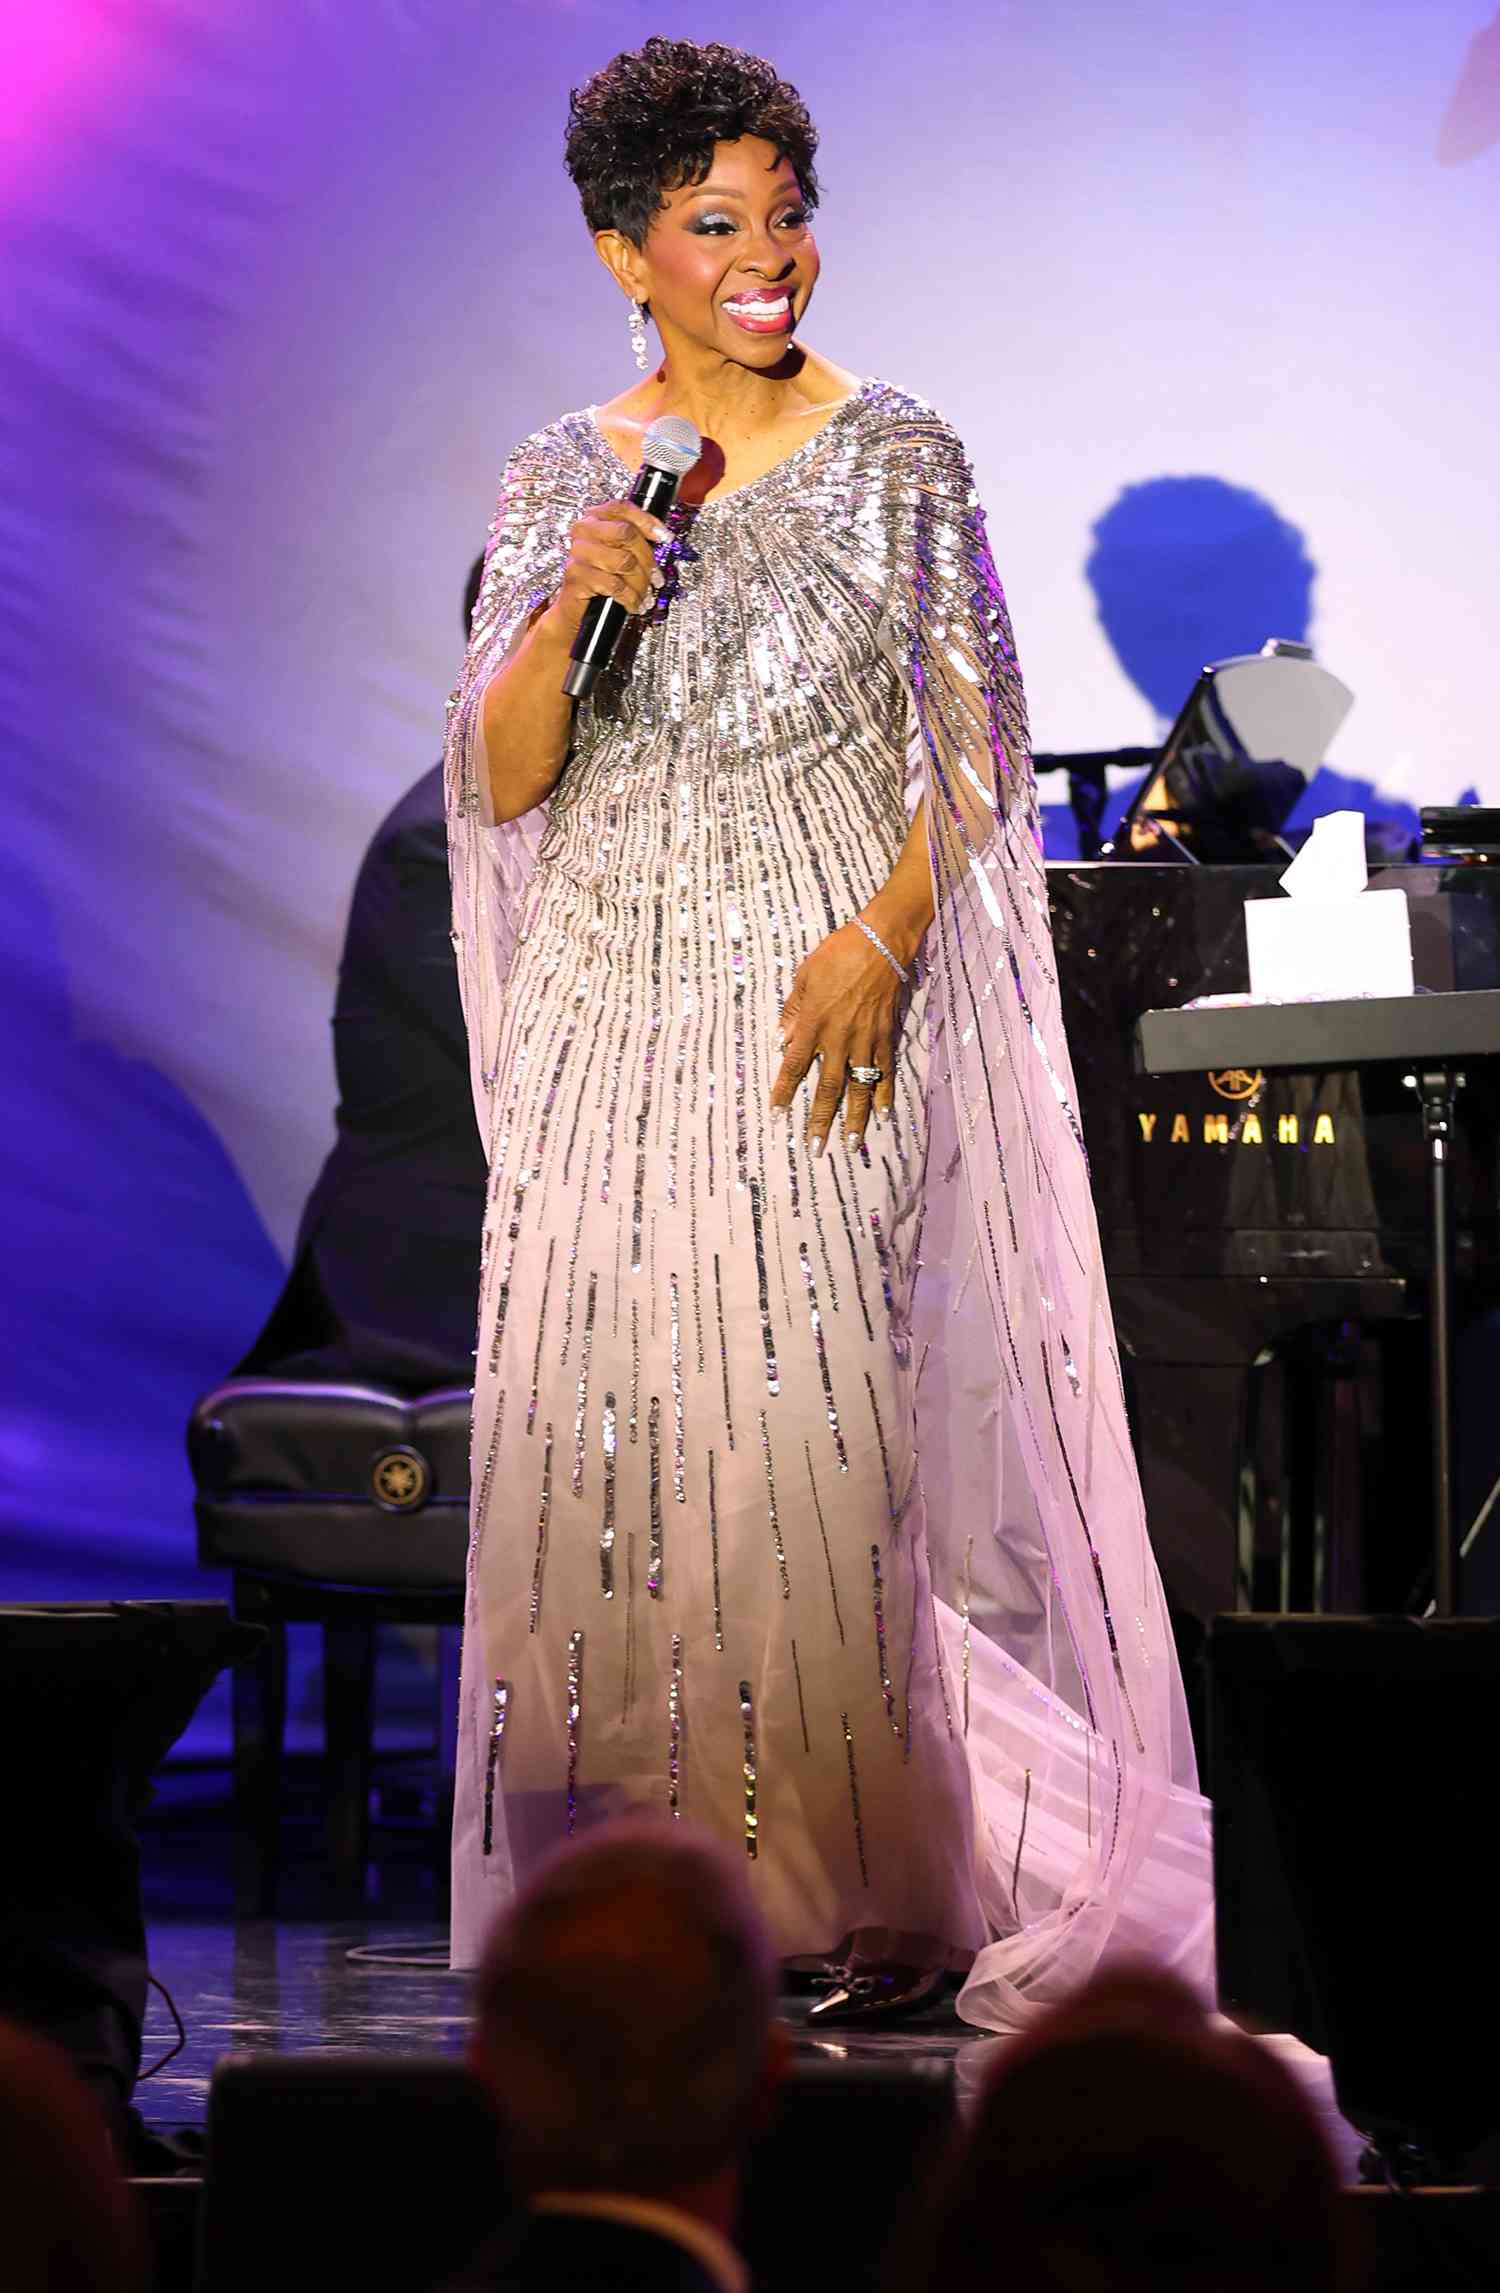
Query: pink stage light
x,y
56,61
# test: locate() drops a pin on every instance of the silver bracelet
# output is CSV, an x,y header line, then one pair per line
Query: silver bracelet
x,y
875,940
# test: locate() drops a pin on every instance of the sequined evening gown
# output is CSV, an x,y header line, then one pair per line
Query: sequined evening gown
x,y
699,1567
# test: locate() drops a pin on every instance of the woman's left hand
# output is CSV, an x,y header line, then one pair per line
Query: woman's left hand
x,y
842,1013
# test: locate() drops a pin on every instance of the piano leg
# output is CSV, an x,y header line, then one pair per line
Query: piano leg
x,y
1254,1472
1190,1421
1314,1403
1189,1425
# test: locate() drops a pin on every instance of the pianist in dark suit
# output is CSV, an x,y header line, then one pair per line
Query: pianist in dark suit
x,y
386,1264
625,2037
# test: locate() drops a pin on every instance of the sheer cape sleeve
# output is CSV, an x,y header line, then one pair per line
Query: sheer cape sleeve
x,y
1092,1839
490,864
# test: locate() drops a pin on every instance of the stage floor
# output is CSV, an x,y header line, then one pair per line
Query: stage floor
x,y
293,1985
306,1980
287,1986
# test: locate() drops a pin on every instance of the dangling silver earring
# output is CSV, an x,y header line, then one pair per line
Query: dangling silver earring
x,y
637,325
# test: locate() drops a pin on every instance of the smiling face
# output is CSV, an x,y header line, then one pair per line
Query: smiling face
x,y
728,264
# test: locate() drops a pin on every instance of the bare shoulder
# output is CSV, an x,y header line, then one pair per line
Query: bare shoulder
x,y
823,384
624,419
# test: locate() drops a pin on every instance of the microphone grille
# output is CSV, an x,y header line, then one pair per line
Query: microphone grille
x,y
671,444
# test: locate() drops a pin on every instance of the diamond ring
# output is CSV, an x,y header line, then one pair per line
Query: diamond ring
x,y
867,1076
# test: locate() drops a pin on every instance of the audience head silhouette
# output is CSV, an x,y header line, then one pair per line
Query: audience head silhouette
x,y
625,2027
68,2222
1129,2141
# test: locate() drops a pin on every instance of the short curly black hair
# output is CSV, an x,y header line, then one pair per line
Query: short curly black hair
x,y
648,123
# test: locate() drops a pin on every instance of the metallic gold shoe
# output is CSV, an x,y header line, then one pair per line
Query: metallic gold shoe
x,y
877,1994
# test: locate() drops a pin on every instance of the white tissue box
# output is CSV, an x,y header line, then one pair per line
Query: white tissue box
x,y
1327,948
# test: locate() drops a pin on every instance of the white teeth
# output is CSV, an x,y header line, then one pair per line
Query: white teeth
x,y
778,309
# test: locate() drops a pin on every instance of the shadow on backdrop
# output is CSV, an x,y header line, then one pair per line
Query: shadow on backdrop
x,y
136,1262
1188,570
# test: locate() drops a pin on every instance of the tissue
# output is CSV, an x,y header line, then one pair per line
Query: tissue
x,y
1330,937
1331,864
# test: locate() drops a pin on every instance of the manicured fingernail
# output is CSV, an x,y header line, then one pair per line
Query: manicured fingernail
x,y
817,1143
882,1117
659,531
854,1138
658,578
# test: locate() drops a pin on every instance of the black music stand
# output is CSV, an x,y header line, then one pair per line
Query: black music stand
x,y
1430,1035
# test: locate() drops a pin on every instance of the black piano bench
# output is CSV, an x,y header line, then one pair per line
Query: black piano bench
x,y
344,1506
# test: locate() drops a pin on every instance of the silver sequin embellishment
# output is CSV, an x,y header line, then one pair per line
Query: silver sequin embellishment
x,y
773,1376
543,1517
575,1715
750,1772
581,1416
541,1326
881,1654
942,1669
482,1507
859,1280
674,1730
607,1525
499,1707
833,1590
822,1351
653,1496
776,1544
679,1455
635,1369
588,1156
859,1828
801,1699
885,1457
713,1535
723,1350
900,1336
1015,1875
648,1081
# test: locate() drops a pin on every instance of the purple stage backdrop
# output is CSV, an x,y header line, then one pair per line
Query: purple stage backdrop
x,y
1210,290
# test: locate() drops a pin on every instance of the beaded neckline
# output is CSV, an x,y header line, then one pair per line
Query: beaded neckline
x,y
841,413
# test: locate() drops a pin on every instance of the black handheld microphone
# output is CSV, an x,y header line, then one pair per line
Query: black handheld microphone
x,y
670,448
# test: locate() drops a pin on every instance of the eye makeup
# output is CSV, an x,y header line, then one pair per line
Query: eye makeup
x,y
713,225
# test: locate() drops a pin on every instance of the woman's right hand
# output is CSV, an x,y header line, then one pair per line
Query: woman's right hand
x,y
610,554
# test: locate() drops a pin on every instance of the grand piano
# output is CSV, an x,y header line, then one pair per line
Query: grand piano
x,y
1266,1244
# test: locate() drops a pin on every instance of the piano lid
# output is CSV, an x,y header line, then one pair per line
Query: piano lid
x,y
1278,705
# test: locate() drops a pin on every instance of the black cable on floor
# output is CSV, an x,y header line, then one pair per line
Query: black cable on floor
x,y
412,1954
172,2051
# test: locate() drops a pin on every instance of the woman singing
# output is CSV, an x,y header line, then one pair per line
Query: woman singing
x,y
803,1504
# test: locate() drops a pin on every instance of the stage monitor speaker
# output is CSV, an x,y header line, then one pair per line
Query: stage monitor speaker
x,y
1353,1765
385,2171
92,1698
